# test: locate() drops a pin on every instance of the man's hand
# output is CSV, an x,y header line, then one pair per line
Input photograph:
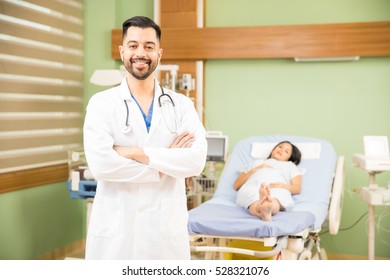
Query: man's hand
x,y
134,153
184,140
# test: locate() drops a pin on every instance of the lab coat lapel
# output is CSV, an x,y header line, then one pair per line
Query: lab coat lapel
x,y
136,119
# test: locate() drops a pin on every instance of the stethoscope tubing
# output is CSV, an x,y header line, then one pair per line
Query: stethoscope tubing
x,y
126,128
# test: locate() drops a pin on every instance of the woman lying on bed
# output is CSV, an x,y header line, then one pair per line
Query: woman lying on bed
x,y
266,186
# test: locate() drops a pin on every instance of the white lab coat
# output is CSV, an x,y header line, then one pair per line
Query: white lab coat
x,y
136,213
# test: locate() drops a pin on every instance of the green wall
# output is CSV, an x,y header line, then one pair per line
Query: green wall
x,y
285,12
337,101
39,220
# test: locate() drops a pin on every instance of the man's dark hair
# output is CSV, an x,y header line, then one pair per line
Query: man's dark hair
x,y
142,22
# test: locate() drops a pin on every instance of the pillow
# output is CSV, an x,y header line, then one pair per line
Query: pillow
x,y
308,150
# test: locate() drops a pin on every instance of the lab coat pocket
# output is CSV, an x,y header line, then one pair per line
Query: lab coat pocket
x,y
104,221
174,217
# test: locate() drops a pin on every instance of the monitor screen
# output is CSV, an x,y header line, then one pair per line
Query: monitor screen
x,y
216,149
376,147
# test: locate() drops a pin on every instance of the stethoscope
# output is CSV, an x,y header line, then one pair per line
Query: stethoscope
x,y
168,111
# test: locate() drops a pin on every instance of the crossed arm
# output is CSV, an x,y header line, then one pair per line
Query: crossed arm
x,y
184,140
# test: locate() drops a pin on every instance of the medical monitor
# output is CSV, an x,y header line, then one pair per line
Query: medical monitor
x,y
217,145
376,147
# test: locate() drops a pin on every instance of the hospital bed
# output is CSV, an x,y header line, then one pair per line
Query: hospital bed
x,y
220,229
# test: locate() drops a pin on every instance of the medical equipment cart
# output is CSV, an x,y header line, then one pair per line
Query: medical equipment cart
x,y
201,188
373,195
80,184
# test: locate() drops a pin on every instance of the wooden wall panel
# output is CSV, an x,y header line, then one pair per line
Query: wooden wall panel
x,y
179,14
343,39
20,180
173,6
351,39
178,20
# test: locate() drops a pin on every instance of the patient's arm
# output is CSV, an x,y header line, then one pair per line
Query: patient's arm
x,y
243,177
294,187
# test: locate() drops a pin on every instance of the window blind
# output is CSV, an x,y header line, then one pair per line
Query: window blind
x,y
41,82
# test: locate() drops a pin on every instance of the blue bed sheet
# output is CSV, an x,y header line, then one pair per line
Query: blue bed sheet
x,y
233,220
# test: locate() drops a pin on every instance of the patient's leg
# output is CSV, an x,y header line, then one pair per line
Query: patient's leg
x,y
266,203
266,206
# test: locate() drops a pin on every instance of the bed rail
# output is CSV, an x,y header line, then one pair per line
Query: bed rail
x,y
337,197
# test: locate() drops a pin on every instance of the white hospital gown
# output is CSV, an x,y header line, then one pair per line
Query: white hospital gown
x,y
282,172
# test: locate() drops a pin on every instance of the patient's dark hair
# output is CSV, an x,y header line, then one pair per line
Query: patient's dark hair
x,y
295,153
142,22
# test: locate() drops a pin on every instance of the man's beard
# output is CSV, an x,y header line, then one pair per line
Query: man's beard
x,y
141,75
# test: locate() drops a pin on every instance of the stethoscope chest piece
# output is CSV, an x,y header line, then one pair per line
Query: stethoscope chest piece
x,y
126,129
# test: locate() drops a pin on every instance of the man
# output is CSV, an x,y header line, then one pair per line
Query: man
x,y
141,142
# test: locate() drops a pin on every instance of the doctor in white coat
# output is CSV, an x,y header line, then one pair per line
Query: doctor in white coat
x,y
141,142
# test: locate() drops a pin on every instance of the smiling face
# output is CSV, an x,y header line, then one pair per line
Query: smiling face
x,y
282,152
140,52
